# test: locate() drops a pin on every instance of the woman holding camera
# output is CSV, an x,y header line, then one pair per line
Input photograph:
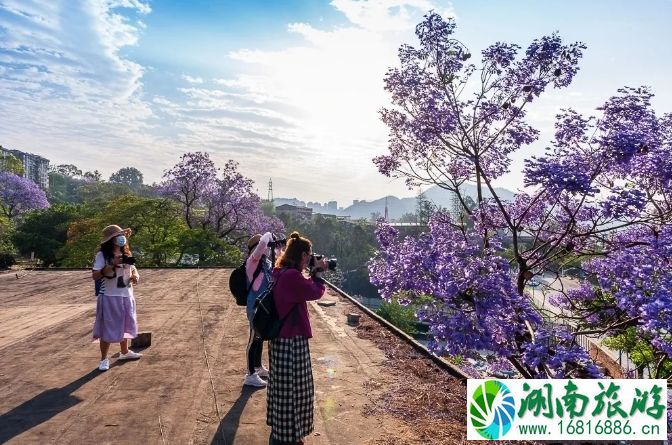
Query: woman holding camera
x,y
116,320
259,270
291,394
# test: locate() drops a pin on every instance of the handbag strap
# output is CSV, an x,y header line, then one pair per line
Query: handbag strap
x,y
271,285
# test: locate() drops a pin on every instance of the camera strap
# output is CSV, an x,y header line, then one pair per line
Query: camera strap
x,y
113,276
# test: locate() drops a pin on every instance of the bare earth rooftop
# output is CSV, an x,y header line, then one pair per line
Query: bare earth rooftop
x,y
52,393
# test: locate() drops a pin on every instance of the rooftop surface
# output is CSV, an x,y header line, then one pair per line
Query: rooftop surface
x,y
371,387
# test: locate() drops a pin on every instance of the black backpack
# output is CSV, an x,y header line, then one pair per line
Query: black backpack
x,y
265,319
238,282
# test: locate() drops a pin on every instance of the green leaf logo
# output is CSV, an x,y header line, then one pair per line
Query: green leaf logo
x,y
492,409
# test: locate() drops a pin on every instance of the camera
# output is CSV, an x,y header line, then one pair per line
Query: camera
x,y
277,242
125,259
331,264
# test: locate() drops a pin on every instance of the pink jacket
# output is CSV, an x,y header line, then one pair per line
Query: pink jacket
x,y
293,289
254,258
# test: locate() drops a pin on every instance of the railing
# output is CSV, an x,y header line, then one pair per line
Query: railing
x,y
552,324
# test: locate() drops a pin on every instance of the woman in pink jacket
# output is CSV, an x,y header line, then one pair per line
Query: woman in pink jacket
x,y
291,394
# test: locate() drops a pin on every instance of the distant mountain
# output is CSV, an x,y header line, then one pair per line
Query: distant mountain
x,y
397,206
443,197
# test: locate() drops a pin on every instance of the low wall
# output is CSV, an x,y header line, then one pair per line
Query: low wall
x,y
601,358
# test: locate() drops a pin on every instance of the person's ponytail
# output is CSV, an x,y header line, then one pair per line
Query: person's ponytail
x,y
293,253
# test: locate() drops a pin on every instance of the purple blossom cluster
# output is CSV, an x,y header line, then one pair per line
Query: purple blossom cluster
x,y
476,305
602,193
636,282
222,201
19,195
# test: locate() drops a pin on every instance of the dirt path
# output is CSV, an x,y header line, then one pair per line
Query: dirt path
x,y
51,392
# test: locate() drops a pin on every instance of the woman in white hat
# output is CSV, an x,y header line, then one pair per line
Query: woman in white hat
x,y
116,320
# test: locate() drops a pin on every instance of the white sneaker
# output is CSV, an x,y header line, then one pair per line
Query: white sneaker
x,y
104,365
262,372
254,380
130,355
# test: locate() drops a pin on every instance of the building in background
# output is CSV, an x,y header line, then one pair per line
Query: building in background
x,y
332,205
37,167
299,212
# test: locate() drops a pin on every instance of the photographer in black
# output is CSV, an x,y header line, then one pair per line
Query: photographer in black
x,y
291,392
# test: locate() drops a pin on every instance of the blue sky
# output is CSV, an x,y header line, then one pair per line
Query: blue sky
x,y
290,89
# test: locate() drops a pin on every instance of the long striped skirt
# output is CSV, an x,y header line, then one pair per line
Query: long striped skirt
x,y
290,393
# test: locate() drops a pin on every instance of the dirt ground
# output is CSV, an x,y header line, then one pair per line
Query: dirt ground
x,y
52,393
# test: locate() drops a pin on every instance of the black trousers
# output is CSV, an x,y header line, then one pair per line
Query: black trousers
x,y
255,348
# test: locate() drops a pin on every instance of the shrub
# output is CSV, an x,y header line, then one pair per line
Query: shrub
x,y
401,316
7,260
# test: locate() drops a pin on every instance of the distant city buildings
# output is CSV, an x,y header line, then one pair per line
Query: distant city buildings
x,y
36,167
332,205
299,212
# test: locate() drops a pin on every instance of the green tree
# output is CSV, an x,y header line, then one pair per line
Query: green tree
x,y
12,164
64,188
82,239
131,177
99,195
268,207
401,316
156,223
211,250
408,218
45,232
69,170
352,243
93,176
642,353
425,208
6,232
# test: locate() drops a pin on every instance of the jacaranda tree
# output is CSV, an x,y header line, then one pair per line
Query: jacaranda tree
x,y
601,192
223,202
20,195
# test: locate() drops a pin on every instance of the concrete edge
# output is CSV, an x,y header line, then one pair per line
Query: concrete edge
x,y
441,363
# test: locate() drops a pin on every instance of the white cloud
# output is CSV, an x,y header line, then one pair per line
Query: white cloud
x,y
306,114
387,15
66,91
192,79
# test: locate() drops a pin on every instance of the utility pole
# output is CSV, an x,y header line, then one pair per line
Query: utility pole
x,y
270,190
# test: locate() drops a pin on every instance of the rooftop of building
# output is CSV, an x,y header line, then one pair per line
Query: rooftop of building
x,y
372,386
11,150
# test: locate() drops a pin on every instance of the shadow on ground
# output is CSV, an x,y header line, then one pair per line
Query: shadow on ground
x,y
41,408
231,421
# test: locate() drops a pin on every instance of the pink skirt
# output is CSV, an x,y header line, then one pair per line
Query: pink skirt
x,y
116,319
